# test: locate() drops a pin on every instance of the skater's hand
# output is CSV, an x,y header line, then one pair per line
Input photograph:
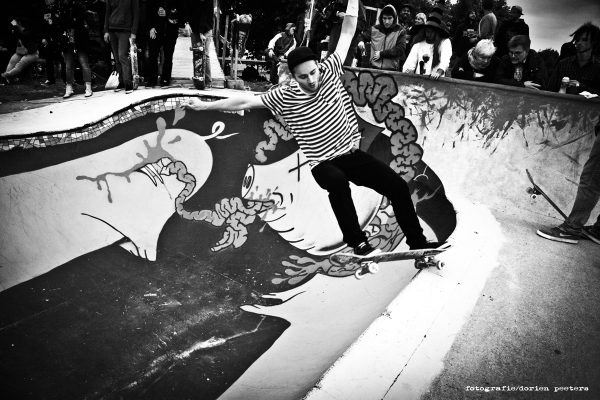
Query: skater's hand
x,y
153,33
106,37
194,104
531,85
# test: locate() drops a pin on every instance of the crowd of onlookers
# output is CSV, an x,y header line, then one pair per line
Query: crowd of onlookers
x,y
481,48
76,34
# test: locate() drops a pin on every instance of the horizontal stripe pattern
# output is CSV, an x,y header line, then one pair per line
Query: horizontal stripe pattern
x,y
323,123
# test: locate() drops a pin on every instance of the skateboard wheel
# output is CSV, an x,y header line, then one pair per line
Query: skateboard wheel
x,y
439,264
534,196
358,274
373,268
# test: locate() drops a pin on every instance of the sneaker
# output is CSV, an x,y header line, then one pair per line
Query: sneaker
x,y
559,234
591,232
128,89
119,88
363,249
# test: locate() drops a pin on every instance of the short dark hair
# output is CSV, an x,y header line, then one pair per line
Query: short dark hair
x,y
519,40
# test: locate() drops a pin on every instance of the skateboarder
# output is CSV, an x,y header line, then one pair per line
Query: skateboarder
x,y
588,194
319,113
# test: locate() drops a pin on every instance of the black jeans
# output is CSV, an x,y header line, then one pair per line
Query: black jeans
x,y
362,169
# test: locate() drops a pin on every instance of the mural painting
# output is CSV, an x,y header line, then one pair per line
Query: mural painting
x,y
205,229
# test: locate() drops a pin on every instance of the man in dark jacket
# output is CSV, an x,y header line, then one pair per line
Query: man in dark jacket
x,y
522,66
120,27
465,36
582,69
513,26
164,19
279,47
388,42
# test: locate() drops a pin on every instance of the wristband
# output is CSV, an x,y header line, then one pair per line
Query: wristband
x,y
352,9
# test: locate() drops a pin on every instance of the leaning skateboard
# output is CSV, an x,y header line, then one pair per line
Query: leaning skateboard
x,y
534,191
133,56
368,264
199,64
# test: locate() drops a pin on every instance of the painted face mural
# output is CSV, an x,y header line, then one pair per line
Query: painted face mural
x,y
124,194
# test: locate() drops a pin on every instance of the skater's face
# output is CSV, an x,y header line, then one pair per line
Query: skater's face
x,y
307,75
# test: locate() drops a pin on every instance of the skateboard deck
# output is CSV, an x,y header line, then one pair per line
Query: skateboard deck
x,y
362,265
199,65
535,191
133,56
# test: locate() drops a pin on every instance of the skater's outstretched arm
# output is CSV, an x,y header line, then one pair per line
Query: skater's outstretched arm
x,y
234,103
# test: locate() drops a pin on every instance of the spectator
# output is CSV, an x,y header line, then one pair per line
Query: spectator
x,y
388,42
479,64
465,36
200,18
164,19
512,26
405,18
278,49
420,19
26,52
49,50
588,194
75,42
522,66
336,19
488,23
120,27
583,69
432,50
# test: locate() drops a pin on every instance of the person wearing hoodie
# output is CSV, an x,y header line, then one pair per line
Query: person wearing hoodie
x,y
512,26
120,28
388,41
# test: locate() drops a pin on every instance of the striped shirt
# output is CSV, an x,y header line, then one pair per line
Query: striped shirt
x,y
323,123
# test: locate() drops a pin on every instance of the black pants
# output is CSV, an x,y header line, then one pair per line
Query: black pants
x,y
167,42
362,169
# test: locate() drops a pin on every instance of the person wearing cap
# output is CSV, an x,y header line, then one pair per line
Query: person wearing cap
x,y
488,24
514,25
318,112
431,52
278,49
479,64
388,42
405,18
522,66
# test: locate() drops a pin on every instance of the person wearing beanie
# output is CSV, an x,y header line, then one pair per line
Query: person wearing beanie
x,y
318,112
388,42
278,49
512,26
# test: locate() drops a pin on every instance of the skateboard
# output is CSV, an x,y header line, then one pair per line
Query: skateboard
x,y
133,56
199,65
368,264
534,191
